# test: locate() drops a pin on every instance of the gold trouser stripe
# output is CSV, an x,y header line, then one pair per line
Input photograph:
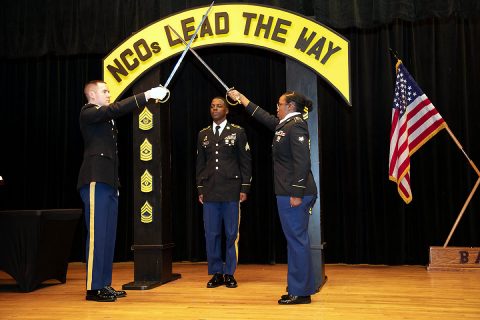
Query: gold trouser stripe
x,y
238,233
91,240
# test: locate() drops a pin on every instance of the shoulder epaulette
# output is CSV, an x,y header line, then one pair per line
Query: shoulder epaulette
x,y
297,119
205,128
235,126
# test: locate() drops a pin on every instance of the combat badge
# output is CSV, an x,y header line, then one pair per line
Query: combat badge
x,y
205,141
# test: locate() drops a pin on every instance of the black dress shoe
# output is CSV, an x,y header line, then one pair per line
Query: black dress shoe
x,y
289,299
230,281
101,295
116,293
216,281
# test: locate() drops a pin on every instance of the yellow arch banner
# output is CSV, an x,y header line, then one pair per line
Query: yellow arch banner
x,y
300,38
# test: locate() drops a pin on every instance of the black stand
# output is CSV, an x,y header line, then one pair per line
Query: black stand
x,y
36,244
153,244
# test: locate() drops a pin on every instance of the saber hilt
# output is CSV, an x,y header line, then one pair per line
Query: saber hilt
x,y
207,67
227,97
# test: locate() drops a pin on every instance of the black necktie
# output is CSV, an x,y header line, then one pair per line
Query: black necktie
x,y
217,132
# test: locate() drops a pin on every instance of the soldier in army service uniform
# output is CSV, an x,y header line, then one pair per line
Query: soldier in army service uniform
x,y
98,182
223,174
295,188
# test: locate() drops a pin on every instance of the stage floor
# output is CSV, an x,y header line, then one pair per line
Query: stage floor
x,y
351,292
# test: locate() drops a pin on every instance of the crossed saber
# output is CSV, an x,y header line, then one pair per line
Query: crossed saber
x,y
183,56
208,68
187,48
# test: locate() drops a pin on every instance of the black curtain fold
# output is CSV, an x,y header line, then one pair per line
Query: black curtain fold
x,y
59,27
44,67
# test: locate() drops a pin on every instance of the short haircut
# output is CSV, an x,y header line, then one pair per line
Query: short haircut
x,y
90,85
221,98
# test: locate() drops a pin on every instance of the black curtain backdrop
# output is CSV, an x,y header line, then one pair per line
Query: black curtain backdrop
x,y
49,50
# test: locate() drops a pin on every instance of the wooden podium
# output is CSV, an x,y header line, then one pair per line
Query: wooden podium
x,y
454,259
153,245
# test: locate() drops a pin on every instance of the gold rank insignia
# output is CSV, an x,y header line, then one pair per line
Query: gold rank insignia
x,y
146,213
145,120
146,150
305,113
146,182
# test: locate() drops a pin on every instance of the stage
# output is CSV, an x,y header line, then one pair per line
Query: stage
x,y
351,292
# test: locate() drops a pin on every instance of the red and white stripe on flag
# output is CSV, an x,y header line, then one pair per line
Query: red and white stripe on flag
x,y
414,121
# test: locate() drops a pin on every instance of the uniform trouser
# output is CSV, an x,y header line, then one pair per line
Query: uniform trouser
x,y
101,211
294,220
213,214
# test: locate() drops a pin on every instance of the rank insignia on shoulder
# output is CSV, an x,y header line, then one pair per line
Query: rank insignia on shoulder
x,y
236,126
205,128
298,119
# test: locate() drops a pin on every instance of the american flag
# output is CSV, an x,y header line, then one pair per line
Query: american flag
x,y
414,121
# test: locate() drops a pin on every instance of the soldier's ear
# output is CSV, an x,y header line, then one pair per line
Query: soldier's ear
x,y
91,94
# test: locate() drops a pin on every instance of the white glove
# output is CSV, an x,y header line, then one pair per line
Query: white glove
x,y
158,93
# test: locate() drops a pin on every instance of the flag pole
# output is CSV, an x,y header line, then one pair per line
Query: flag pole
x,y
461,148
471,193
461,212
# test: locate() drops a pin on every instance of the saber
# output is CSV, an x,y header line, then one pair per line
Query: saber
x,y
207,67
184,53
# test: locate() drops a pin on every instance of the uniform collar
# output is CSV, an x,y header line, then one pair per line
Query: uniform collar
x,y
288,116
222,126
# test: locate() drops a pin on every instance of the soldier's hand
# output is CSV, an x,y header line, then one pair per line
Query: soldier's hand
x,y
200,198
156,93
243,196
295,202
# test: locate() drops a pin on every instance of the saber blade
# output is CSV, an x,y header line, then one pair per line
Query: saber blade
x,y
201,60
188,46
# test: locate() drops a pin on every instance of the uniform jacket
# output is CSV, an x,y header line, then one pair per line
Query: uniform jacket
x,y
291,153
100,156
223,168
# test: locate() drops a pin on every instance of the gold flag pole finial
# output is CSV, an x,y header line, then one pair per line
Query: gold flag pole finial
x,y
395,55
